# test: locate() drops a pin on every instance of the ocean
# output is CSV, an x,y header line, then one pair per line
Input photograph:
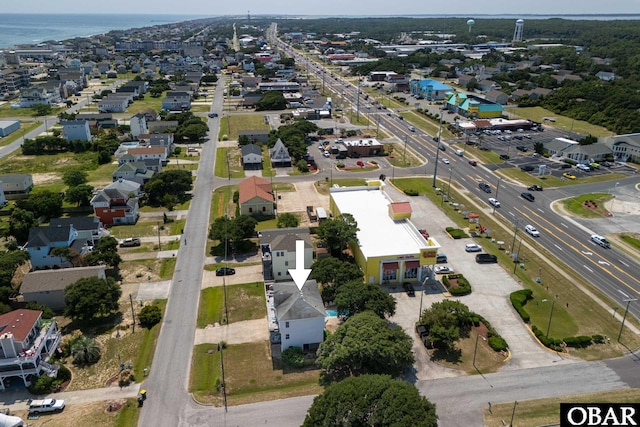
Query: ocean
x,y
23,28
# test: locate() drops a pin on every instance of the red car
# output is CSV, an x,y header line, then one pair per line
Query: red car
x,y
360,163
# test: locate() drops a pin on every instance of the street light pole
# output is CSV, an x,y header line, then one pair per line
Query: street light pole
x,y
435,170
626,310
358,101
497,190
224,386
475,350
404,153
553,303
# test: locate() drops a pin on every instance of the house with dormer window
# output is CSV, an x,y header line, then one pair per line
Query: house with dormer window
x,y
26,345
280,155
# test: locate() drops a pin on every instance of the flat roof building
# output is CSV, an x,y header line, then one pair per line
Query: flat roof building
x,y
389,248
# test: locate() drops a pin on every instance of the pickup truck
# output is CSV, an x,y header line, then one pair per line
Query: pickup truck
x,y
45,405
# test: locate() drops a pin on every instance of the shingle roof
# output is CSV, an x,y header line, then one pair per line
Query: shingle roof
x,y
251,149
53,280
43,236
293,304
19,323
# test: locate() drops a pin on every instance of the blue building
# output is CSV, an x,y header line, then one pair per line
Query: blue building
x,y
429,89
472,106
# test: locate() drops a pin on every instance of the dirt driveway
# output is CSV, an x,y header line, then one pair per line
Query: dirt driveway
x,y
297,201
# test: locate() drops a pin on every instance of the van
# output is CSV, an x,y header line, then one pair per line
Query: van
x,y
459,153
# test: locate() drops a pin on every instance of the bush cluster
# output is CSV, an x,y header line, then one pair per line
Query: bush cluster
x,y
463,287
518,300
411,192
293,357
495,341
456,233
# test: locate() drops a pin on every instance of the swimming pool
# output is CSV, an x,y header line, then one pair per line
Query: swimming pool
x,y
331,313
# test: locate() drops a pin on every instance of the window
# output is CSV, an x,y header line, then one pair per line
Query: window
x,y
411,273
286,324
264,209
250,210
286,263
286,337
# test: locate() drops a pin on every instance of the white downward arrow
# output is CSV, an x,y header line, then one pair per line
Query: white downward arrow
x,y
300,274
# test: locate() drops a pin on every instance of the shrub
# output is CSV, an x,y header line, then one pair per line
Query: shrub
x,y
598,339
497,343
236,197
64,374
463,287
518,300
456,233
149,316
293,357
551,343
47,313
578,342
411,192
42,385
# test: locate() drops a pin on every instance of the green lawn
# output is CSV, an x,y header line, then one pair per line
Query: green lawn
x,y
148,103
631,241
564,123
231,163
244,302
552,181
6,112
231,124
54,163
577,206
398,157
221,200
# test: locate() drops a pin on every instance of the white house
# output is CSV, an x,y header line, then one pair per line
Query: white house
x,y
138,124
113,104
278,248
299,315
176,101
251,156
27,342
34,95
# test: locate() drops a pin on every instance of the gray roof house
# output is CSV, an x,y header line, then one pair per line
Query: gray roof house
x,y
47,286
89,228
279,154
251,156
133,171
176,101
16,184
299,315
42,240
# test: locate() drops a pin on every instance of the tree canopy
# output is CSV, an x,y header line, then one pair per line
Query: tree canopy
x,y
331,273
174,182
74,177
364,344
371,400
355,297
104,252
20,222
287,220
446,322
272,100
91,298
45,203
233,230
338,232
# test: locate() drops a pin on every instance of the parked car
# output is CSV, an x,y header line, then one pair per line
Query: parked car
x,y
326,154
486,259
472,247
45,405
442,269
528,196
130,242
485,187
534,188
521,148
532,230
600,241
504,157
441,258
568,175
565,166
494,202
583,167
527,168
225,271
212,115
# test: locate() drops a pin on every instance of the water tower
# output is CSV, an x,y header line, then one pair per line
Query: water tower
x,y
517,34
470,23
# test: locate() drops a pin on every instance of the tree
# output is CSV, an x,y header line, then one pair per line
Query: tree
x,y
75,177
47,204
355,297
175,182
538,147
91,298
233,230
104,252
192,132
338,232
332,273
41,109
149,316
364,344
85,351
446,322
288,220
20,222
80,194
302,166
272,100
47,313
371,400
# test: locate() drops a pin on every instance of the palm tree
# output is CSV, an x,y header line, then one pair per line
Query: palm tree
x,y
85,351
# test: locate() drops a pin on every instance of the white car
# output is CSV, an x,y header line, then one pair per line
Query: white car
x,y
326,154
472,247
443,269
446,161
494,202
532,230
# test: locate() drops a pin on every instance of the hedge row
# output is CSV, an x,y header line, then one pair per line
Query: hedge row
x,y
495,341
463,287
411,192
518,300
456,233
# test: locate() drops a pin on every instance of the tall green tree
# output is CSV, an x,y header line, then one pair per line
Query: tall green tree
x,y
47,204
331,273
80,194
91,298
446,322
355,297
104,252
338,232
74,177
371,400
20,222
175,182
364,344
85,351
287,220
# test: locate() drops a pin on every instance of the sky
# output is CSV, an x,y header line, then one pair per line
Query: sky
x,y
326,7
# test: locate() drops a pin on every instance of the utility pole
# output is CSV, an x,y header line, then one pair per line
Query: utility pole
x,y
435,170
224,385
626,310
553,303
159,245
358,100
133,315
497,190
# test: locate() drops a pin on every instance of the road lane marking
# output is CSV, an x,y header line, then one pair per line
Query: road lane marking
x,y
623,263
603,262
564,225
587,268
587,253
559,248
